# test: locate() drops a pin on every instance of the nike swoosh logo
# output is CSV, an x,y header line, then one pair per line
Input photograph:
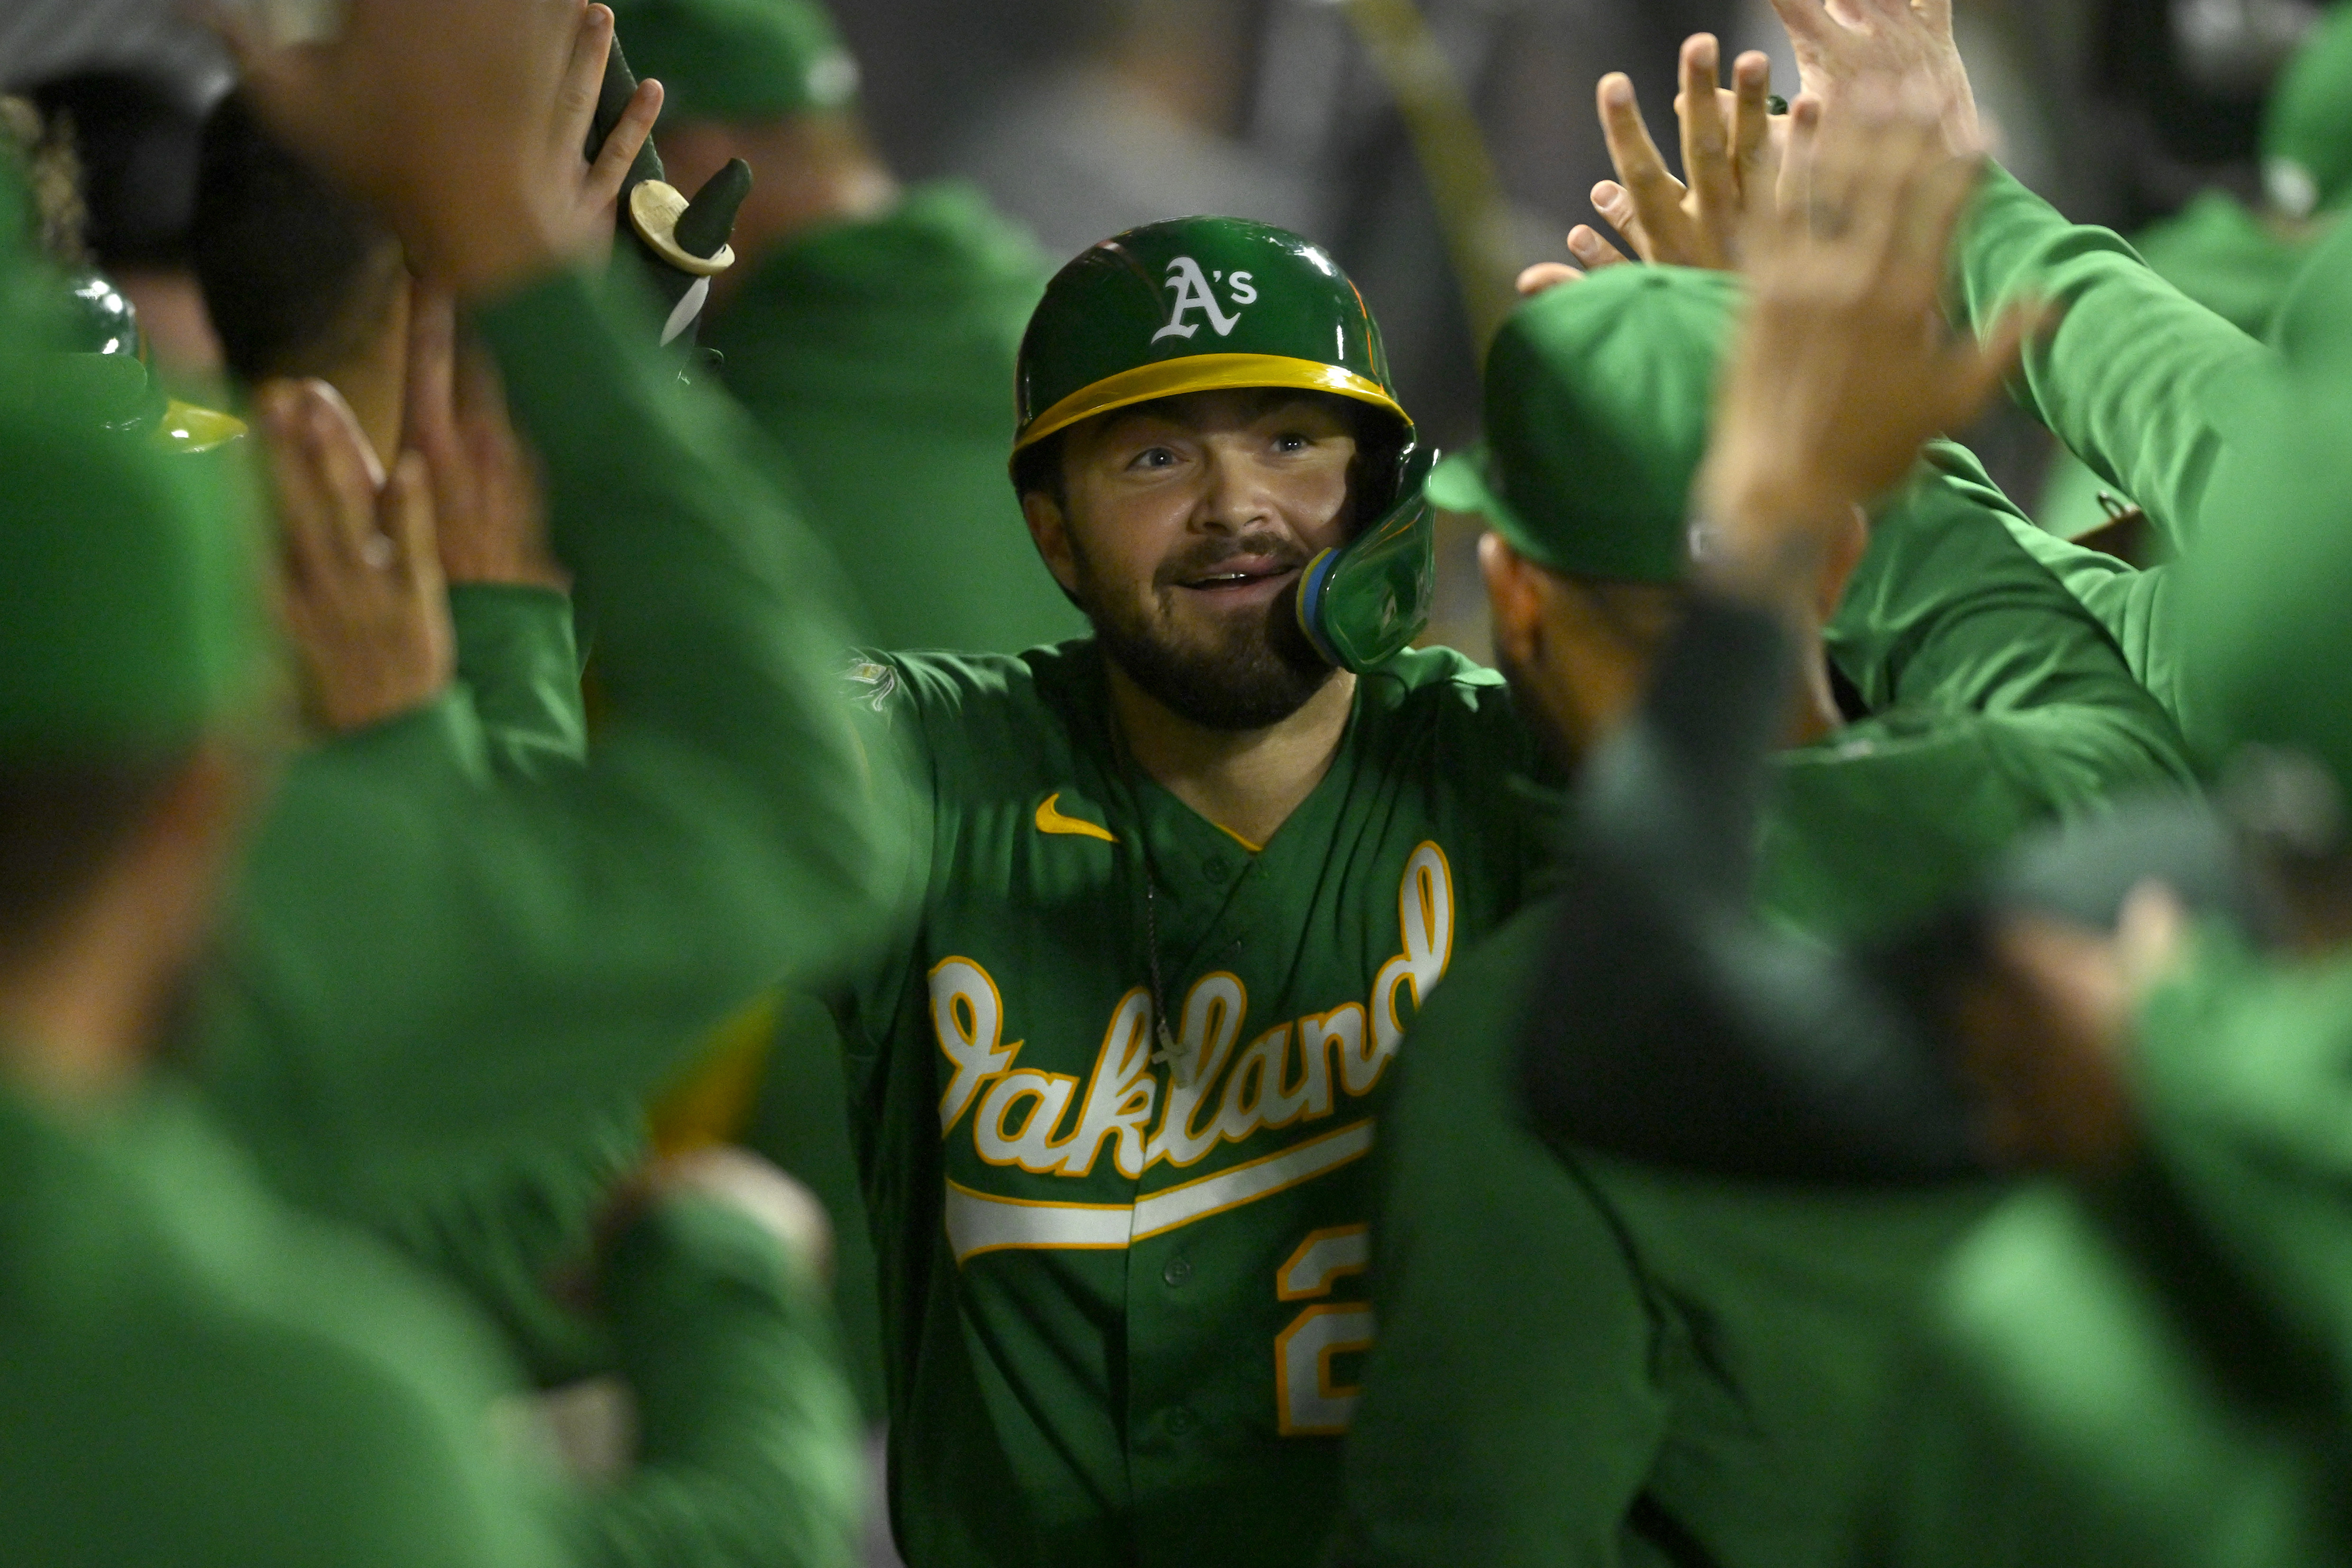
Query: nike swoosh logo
x,y
1050,820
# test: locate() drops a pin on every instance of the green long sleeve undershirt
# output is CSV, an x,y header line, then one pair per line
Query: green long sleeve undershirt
x,y
2134,378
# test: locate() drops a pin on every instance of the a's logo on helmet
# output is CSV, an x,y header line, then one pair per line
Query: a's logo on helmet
x,y
1193,293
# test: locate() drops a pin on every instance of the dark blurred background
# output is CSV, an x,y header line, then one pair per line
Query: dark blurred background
x,y
1082,117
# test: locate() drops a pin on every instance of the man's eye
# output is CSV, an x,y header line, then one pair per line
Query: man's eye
x,y
1155,457
1291,441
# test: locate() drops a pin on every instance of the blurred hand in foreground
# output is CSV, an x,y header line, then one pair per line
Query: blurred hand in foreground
x,y
1843,367
489,516
461,121
365,602
1842,44
2046,1033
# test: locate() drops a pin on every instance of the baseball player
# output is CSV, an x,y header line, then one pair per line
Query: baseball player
x,y
1583,1361
1182,891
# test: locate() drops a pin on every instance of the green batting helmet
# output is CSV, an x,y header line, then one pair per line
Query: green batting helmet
x,y
1211,304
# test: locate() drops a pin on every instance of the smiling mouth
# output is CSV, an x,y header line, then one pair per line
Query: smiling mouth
x,y
1229,579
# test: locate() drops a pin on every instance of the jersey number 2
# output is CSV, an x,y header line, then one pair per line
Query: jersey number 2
x,y
1308,1403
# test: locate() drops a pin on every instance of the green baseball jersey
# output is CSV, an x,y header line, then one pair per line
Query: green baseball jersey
x,y
1585,1362
1123,1283
2148,1371
878,356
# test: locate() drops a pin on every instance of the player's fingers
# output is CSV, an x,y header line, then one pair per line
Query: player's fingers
x,y
1792,190
404,517
622,147
303,530
1586,245
1706,140
583,78
1544,276
1751,119
1656,194
349,474
1807,21
1612,201
429,414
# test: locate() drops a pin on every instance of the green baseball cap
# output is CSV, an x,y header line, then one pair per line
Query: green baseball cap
x,y
738,60
131,602
2307,124
1202,304
1598,398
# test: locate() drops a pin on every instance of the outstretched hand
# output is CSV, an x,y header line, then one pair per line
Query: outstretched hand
x,y
1843,367
461,121
1841,44
1731,153
1736,155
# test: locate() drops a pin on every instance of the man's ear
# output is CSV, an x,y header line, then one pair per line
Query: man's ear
x,y
1516,593
1845,552
1051,533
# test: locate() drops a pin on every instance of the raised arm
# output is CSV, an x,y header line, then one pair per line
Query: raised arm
x,y
2134,377
414,960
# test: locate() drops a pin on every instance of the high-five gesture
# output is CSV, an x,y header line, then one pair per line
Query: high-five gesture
x,y
1842,43
1729,156
1843,368
1735,153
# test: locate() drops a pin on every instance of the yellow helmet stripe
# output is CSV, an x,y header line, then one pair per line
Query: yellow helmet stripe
x,y
1203,372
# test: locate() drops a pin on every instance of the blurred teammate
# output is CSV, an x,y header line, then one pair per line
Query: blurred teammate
x,y
1581,1361
869,328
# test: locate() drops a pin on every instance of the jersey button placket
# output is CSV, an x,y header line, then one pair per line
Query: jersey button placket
x,y
1178,1269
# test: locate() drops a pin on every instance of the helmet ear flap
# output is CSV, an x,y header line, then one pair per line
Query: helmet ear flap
x,y
1383,447
1364,603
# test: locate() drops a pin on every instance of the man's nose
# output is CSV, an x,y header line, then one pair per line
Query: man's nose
x,y
1234,497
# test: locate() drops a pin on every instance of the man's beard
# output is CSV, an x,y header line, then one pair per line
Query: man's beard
x,y
1250,676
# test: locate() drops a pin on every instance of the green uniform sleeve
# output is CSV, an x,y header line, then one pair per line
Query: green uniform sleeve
x,y
2001,700
2135,375
748,1435
519,658
415,962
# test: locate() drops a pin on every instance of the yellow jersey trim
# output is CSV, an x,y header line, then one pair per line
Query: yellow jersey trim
x,y
1203,372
